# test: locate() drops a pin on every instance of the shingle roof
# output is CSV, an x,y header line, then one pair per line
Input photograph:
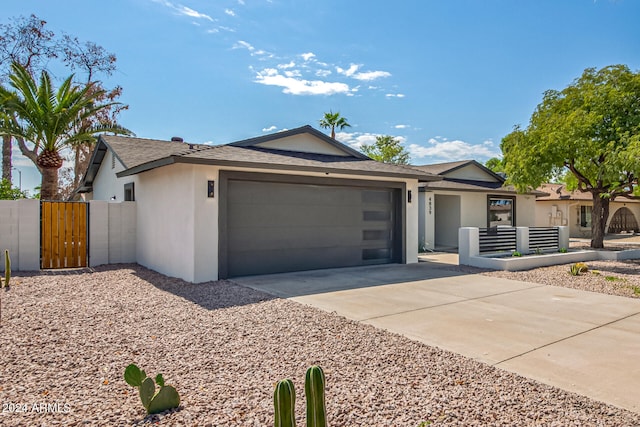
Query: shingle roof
x,y
440,168
457,184
560,192
139,155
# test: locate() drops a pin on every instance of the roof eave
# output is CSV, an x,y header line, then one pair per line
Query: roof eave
x,y
270,166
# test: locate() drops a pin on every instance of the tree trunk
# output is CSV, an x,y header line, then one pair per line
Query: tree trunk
x,y
599,215
30,154
49,186
6,157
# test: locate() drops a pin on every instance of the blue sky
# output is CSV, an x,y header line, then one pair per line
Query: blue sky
x,y
450,78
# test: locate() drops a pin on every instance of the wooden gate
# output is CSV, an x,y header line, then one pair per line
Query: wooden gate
x,y
622,221
63,234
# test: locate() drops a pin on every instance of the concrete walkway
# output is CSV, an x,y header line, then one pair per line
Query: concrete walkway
x,y
579,341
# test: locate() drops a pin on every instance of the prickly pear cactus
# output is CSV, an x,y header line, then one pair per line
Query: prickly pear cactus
x,y
284,402
314,392
167,396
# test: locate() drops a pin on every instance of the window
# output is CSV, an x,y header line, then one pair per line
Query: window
x,y
585,216
129,192
501,211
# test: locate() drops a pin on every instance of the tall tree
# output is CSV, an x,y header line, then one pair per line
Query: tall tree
x,y
27,42
387,149
591,129
495,164
31,44
51,120
332,121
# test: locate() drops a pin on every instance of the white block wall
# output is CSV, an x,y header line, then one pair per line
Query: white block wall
x,y
112,232
20,233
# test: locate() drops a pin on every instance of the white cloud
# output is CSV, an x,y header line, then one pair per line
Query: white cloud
x,y
184,10
285,66
348,72
357,139
442,150
323,73
241,44
307,56
297,86
401,126
395,95
293,73
352,71
270,128
371,75
229,12
241,2
193,14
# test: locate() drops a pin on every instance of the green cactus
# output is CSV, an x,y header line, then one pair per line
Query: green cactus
x,y
284,402
165,398
314,391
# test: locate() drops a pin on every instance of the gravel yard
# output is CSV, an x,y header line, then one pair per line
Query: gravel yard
x,y
66,339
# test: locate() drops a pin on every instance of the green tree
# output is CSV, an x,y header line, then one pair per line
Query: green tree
x,y
387,149
332,121
51,120
591,129
28,41
9,192
495,164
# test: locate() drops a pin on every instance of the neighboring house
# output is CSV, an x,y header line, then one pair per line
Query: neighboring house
x,y
469,195
573,208
293,200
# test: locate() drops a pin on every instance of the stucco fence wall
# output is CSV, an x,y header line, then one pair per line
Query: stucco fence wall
x,y
111,234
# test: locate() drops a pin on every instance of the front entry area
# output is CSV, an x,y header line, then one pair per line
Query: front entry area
x,y
276,223
447,219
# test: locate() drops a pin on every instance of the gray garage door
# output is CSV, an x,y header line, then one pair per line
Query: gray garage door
x,y
274,227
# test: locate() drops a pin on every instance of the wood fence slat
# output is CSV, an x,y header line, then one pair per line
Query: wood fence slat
x,y
45,239
75,260
82,239
55,235
68,235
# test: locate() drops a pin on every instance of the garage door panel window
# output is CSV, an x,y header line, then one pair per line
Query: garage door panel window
x,y
376,254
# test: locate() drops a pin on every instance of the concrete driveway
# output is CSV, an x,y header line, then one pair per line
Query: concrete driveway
x,y
579,341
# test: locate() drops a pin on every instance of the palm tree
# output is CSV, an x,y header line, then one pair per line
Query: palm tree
x,y
50,120
332,121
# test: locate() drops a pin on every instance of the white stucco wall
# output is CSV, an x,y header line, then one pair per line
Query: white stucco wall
x,y
166,221
177,224
303,143
106,184
473,212
555,212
